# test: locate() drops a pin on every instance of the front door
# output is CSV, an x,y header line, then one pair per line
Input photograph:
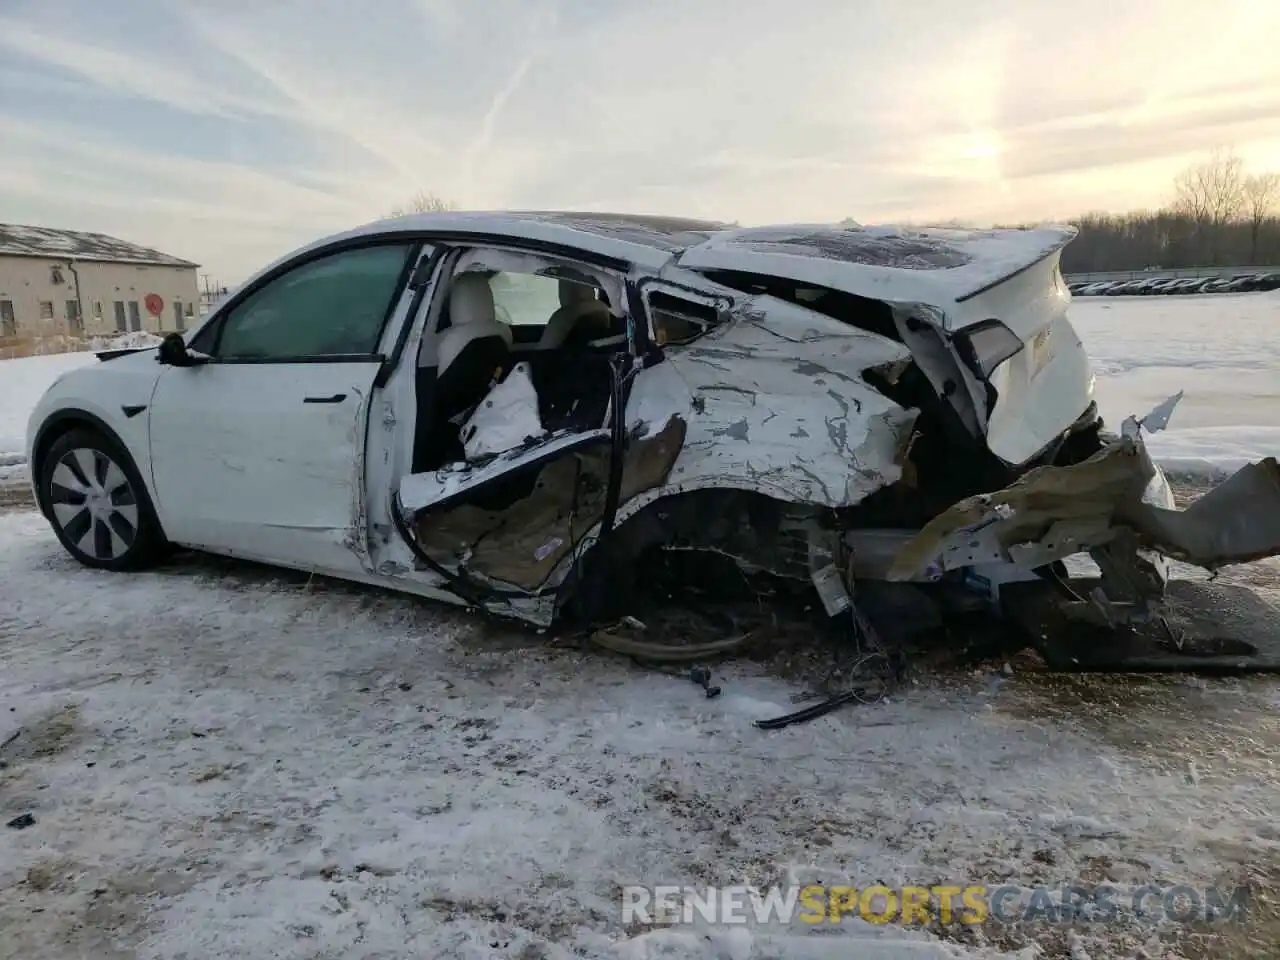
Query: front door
x,y
260,452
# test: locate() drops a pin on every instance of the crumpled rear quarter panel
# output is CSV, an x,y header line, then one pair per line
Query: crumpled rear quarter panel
x,y
776,403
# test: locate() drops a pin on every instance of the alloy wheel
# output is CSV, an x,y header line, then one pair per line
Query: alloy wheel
x,y
94,503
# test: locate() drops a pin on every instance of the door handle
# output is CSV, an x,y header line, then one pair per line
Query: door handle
x,y
336,398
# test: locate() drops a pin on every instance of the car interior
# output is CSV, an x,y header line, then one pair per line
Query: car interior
x,y
515,349
553,327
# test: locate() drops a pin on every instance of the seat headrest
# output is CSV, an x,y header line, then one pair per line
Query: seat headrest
x,y
565,320
574,293
470,300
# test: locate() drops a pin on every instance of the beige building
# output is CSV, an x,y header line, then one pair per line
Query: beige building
x,y
89,284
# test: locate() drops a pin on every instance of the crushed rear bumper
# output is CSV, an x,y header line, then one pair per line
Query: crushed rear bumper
x,y
1117,507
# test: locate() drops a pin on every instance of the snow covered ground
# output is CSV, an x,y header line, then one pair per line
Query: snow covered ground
x,y
224,761
21,384
23,381
1224,351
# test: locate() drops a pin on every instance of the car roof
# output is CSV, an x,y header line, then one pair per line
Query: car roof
x,y
886,262
650,241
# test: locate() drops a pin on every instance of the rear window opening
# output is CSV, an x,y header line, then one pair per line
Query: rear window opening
x,y
874,316
677,320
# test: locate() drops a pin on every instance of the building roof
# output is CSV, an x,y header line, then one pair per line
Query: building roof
x,y
22,241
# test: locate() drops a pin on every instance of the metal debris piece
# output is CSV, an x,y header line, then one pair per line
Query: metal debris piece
x,y
702,677
820,709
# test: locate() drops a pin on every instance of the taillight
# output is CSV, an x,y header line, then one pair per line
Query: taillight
x,y
986,345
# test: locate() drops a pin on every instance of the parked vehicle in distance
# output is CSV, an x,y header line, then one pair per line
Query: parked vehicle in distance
x,y
1098,288
1163,286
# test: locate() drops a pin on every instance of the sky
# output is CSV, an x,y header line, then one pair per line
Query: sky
x,y
229,132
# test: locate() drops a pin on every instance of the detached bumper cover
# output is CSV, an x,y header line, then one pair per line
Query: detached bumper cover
x,y
1115,503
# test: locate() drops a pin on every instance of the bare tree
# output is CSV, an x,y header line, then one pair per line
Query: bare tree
x,y
424,202
1211,194
1261,196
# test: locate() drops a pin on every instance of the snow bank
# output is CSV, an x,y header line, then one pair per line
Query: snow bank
x,y
1223,350
138,339
22,382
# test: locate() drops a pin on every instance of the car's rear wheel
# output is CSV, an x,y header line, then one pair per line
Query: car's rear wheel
x,y
97,503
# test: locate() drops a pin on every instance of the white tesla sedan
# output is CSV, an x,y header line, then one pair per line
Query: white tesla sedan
x,y
510,410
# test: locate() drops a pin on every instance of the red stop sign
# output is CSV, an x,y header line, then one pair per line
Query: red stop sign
x,y
154,304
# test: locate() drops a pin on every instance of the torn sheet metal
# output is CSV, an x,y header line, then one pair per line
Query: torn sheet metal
x,y
779,406
522,543
1153,422
1053,512
420,490
1237,521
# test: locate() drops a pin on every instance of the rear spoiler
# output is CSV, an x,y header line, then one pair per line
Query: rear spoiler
x,y
1051,249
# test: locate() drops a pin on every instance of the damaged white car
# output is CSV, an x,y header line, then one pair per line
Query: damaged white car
x,y
514,411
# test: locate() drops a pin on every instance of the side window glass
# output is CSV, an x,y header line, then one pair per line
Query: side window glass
x,y
329,307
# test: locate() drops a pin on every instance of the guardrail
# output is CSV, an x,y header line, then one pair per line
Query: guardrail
x,y
1170,273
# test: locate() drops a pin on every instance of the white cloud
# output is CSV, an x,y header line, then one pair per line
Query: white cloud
x,y
138,74
751,110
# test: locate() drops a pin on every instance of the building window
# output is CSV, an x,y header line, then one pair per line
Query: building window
x,y
177,314
135,317
121,324
8,324
97,309
191,310
74,323
46,309
55,274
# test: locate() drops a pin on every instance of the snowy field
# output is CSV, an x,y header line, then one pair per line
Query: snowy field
x,y
23,381
1224,351
21,384
224,761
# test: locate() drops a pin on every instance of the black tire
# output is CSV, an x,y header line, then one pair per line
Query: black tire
x,y
97,504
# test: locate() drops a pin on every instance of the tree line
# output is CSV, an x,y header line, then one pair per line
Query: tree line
x,y
1221,215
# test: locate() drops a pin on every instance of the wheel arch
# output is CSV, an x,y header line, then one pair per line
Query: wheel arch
x,y
59,424
603,565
